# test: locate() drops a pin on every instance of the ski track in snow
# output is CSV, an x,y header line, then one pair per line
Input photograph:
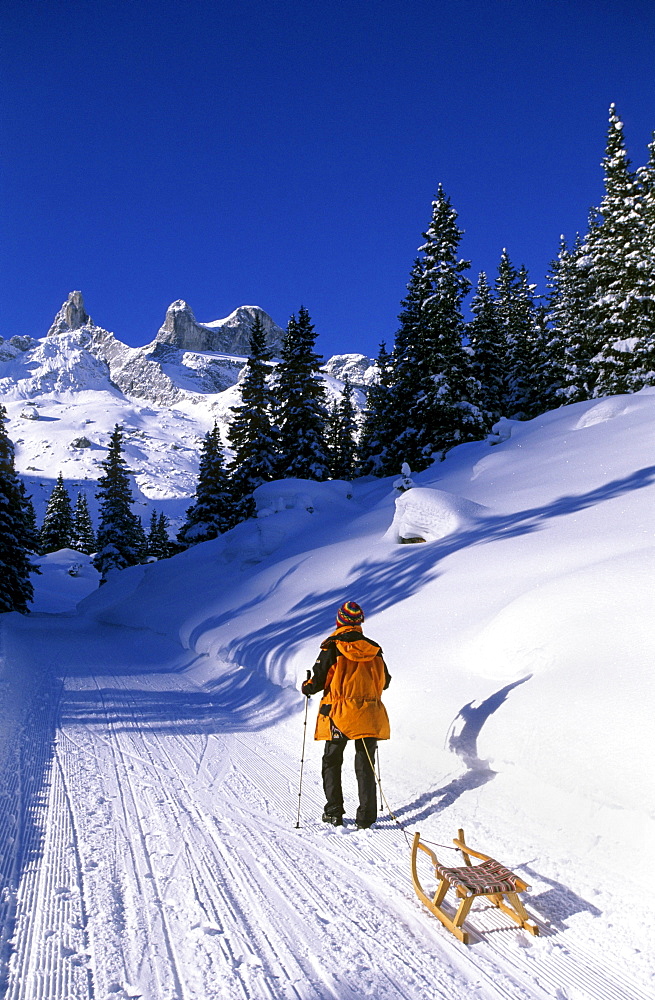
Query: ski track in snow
x,y
160,863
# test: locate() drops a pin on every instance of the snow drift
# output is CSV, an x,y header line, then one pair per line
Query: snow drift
x,y
425,515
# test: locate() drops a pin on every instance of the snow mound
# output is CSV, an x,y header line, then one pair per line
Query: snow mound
x,y
300,494
502,430
428,514
66,578
607,409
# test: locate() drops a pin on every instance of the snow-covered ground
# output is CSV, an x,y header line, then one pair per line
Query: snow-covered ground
x,y
150,739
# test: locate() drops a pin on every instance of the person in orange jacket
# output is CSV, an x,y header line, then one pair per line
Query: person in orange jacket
x,y
352,674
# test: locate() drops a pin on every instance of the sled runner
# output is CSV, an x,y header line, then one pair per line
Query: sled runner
x,y
490,879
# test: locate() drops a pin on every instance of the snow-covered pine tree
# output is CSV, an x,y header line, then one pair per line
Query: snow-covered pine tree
x,y
429,402
445,405
378,418
571,345
404,481
489,353
120,532
213,510
159,546
342,435
301,412
163,536
332,438
252,434
141,539
31,536
57,528
401,431
83,536
620,312
16,590
646,181
549,370
523,331
537,371
644,352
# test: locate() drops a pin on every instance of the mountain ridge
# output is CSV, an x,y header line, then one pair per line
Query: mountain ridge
x,y
75,383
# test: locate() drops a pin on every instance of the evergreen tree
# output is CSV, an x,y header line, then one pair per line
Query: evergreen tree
x,y
378,418
16,589
213,510
153,540
141,540
332,438
450,415
163,537
163,533
31,532
402,433
159,545
646,181
571,344
120,532
429,404
489,353
83,536
342,435
301,412
252,435
527,381
621,310
57,528
644,353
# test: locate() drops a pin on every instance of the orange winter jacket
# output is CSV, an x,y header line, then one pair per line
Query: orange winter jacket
x,y
353,674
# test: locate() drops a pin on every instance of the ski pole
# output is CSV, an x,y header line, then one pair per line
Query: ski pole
x,y
302,755
377,760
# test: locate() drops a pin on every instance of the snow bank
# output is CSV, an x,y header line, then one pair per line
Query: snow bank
x,y
424,514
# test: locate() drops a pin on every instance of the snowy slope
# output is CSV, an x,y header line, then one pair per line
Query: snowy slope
x,y
157,789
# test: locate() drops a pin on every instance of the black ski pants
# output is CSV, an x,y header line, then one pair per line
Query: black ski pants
x,y
367,810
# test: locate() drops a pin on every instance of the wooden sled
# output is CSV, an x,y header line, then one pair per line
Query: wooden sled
x,y
490,879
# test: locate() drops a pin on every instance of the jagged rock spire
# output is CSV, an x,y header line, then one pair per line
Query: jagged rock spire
x,y
71,316
181,329
230,335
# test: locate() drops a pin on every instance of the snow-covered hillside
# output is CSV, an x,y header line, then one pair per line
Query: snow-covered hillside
x,y
151,739
65,392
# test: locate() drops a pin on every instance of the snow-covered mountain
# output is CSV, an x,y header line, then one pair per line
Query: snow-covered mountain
x,y
65,392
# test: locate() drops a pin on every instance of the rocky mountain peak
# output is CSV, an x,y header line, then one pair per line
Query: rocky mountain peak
x,y
180,327
222,336
71,316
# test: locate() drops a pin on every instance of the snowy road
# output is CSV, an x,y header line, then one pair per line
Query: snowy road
x,y
148,850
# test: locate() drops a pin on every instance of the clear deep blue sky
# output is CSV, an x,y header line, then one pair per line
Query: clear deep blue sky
x,y
287,153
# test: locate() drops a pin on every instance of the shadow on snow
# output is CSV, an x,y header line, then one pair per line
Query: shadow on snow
x,y
380,584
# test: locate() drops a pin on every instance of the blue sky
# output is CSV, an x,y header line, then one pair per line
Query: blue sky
x,y
287,153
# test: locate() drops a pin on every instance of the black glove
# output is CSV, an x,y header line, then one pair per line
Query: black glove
x,y
305,688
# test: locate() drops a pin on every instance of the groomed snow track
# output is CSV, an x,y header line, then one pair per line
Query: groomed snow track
x,y
146,857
